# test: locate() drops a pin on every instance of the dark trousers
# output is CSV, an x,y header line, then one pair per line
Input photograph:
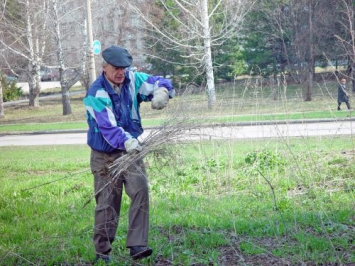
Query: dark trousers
x,y
347,104
108,196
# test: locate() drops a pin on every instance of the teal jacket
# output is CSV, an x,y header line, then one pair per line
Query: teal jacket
x,y
113,118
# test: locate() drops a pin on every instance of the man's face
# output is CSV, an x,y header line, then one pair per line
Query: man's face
x,y
343,81
114,74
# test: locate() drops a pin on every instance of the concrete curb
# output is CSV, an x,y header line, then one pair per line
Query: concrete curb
x,y
253,123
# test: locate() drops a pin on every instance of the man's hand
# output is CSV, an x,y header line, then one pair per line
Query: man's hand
x,y
160,98
132,145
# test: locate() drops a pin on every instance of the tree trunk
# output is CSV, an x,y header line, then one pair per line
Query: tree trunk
x,y
208,55
275,85
64,84
308,94
34,90
33,97
34,85
351,27
66,102
352,73
2,114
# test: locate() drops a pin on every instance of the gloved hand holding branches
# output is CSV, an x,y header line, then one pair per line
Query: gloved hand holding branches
x,y
132,145
160,98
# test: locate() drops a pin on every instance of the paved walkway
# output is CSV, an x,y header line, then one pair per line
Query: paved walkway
x,y
280,131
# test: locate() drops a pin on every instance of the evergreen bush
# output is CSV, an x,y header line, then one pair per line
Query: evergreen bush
x,y
10,90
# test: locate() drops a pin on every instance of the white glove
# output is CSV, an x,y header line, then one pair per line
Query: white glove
x,y
132,145
160,98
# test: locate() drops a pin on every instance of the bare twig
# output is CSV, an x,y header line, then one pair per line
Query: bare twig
x,y
56,180
272,190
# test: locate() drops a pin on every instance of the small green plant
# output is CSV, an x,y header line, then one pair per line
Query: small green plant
x,y
10,90
265,159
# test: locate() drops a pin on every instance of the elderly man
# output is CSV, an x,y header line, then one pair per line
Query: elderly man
x,y
112,103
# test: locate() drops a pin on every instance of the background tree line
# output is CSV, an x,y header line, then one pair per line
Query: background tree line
x,y
285,39
192,41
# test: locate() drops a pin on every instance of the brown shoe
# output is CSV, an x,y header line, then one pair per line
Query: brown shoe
x,y
140,252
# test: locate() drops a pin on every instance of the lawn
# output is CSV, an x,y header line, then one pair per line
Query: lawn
x,y
275,202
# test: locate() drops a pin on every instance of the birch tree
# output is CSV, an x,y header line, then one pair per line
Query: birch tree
x,y
201,26
24,34
70,45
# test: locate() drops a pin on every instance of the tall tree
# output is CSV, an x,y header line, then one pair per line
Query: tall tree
x,y
345,35
289,37
269,37
23,33
202,25
261,41
170,63
71,55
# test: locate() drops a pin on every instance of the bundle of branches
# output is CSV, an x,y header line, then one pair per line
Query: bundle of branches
x,y
176,130
156,142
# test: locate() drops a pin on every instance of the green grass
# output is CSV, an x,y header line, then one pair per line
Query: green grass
x,y
35,127
212,204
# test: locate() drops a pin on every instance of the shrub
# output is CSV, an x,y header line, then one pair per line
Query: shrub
x,y
10,90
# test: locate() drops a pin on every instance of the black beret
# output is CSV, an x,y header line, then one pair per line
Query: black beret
x,y
117,56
